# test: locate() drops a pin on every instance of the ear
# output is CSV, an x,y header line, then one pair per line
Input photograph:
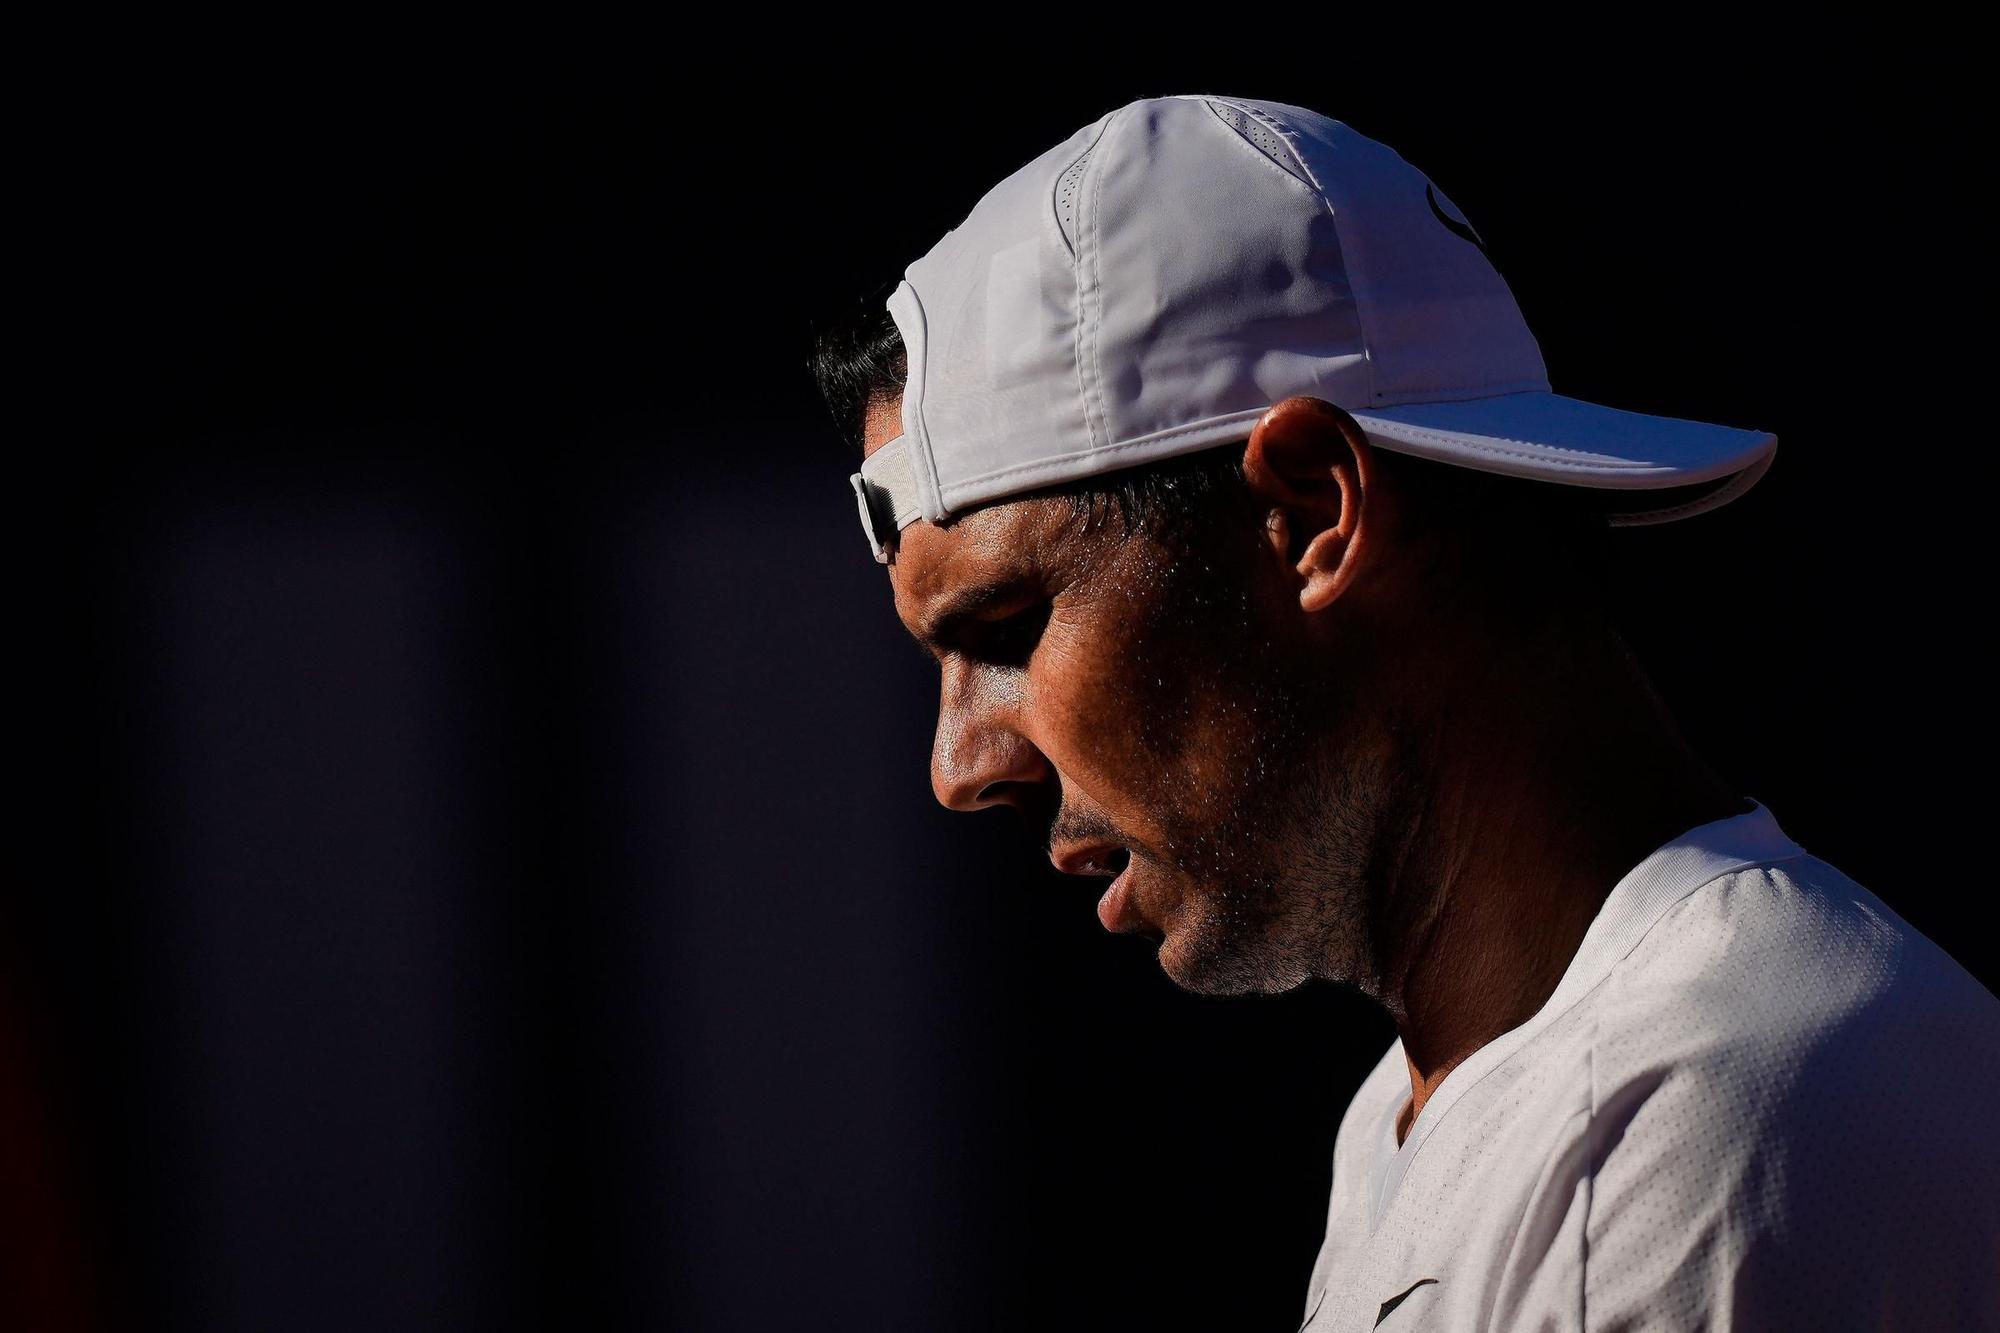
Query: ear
x,y
1309,464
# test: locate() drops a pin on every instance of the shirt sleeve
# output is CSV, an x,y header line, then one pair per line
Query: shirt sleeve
x,y
1706,1195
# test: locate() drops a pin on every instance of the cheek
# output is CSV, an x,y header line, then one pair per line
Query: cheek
x,y
1171,690
1081,689
1196,662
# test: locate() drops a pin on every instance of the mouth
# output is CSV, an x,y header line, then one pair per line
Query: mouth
x,y
1116,909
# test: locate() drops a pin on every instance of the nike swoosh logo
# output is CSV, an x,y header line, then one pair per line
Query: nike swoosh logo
x,y
1456,227
1389,1306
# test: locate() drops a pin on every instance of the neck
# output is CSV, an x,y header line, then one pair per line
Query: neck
x,y
1553,778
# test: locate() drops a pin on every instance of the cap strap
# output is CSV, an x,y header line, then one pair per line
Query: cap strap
x,y
885,491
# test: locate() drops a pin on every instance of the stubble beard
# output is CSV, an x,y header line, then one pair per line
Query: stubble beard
x,y
1285,877
1290,885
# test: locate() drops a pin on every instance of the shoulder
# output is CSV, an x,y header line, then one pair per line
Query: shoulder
x,y
1791,981
1791,1091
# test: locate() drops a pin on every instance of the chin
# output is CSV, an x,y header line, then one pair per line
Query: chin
x,y
1197,961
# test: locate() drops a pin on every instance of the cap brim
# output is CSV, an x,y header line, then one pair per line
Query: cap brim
x,y
1547,437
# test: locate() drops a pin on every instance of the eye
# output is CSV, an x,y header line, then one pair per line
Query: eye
x,y
1011,641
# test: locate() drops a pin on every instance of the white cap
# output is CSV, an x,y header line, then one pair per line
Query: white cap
x,y
1154,283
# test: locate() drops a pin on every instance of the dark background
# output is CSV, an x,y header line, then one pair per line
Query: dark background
x,y
477,866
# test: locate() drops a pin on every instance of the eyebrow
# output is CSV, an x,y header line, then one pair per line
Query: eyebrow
x,y
963,607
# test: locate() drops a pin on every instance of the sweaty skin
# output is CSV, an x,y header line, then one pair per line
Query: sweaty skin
x,y
1320,766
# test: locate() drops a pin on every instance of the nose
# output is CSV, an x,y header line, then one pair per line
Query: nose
x,y
980,756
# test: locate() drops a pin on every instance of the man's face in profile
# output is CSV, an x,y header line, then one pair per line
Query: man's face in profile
x,y
1157,705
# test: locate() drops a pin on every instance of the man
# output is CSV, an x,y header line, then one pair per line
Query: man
x,y
1339,698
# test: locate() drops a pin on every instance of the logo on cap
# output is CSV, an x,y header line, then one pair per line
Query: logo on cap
x,y
1457,228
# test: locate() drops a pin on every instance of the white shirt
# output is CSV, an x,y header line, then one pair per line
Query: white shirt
x,y
1756,1099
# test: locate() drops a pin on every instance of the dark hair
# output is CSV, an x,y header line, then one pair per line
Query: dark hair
x,y
858,362
1467,517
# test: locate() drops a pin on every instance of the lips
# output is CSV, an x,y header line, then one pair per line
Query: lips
x,y
1116,909
1086,858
